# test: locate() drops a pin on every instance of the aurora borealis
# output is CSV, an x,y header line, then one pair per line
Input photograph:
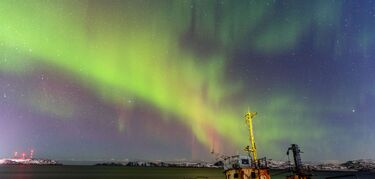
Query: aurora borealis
x,y
101,80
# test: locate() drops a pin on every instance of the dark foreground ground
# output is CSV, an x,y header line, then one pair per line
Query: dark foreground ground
x,y
70,172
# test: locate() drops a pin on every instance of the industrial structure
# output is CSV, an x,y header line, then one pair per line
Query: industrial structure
x,y
247,166
298,172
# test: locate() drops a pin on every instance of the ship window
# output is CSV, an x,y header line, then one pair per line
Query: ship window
x,y
253,175
235,175
245,161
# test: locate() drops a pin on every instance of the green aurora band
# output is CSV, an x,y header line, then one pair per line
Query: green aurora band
x,y
137,48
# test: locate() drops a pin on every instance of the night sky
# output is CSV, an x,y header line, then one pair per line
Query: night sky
x,y
172,80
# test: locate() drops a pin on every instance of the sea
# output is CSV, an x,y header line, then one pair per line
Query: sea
x,y
96,172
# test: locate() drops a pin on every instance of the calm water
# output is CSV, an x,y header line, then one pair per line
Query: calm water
x,y
70,172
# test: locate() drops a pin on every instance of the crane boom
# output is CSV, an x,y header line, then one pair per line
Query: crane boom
x,y
249,121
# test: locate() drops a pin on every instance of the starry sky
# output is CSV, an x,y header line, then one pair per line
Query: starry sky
x,y
172,80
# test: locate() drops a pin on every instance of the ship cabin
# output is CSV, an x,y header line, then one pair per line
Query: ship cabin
x,y
237,161
242,167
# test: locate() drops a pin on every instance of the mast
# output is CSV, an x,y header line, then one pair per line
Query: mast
x,y
249,121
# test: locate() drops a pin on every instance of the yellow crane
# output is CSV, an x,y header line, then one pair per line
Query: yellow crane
x,y
249,121
247,166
